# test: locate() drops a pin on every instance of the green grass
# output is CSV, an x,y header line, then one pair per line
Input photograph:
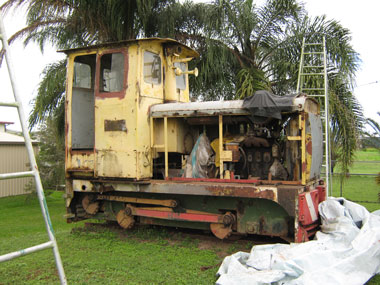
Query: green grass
x,y
144,255
366,161
359,189
99,256
369,154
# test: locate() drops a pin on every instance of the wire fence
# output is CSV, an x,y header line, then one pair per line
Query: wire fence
x,y
368,169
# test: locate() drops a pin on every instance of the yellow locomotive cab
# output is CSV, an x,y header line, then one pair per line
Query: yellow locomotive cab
x,y
138,151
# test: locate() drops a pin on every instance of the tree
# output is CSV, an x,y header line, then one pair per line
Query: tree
x,y
243,47
51,155
69,24
375,126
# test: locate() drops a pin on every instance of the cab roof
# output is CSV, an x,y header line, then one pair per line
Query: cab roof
x,y
187,51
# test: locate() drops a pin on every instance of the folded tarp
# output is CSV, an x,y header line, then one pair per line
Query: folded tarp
x,y
345,251
266,104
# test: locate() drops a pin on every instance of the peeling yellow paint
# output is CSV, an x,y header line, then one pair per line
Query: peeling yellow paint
x,y
122,142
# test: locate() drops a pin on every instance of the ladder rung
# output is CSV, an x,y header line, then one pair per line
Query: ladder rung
x,y
9,104
313,88
313,44
16,175
26,251
315,66
313,73
39,188
313,52
316,95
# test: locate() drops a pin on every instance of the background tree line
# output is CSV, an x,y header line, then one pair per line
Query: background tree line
x,y
244,47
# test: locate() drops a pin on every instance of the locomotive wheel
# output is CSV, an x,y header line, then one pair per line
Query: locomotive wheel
x,y
221,231
89,206
125,220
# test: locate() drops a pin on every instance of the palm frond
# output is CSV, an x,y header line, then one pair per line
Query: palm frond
x,y
50,94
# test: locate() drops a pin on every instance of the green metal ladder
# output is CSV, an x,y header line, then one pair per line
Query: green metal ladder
x,y
52,243
312,79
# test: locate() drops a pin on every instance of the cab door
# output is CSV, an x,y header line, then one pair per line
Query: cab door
x,y
114,116
151,92
80,113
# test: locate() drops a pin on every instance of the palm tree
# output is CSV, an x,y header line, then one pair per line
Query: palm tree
x,y
243,48
375,126
68,24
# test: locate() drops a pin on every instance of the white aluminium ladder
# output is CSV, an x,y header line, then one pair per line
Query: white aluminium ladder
x,y
33,173
312,79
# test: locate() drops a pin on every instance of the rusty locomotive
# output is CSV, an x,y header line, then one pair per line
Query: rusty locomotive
x,y
139,152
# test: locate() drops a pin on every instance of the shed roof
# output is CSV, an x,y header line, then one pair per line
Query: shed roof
x,y
8,138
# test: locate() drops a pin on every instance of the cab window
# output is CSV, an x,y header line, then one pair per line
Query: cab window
x,y
152,68
181,79
111,72
84,70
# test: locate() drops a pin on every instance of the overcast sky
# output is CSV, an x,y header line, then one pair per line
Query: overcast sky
x,y
360,17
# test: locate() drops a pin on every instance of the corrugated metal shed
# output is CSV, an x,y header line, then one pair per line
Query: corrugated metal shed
x,y
14,158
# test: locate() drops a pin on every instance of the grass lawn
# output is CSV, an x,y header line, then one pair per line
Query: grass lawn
x,y
144,255
366,161
100,256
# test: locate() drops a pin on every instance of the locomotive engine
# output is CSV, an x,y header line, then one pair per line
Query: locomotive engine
x,y
139,152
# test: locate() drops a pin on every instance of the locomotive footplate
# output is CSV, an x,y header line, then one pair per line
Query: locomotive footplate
x,y
287,211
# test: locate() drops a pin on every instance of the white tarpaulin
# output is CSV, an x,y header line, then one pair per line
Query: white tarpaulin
x,y
345,251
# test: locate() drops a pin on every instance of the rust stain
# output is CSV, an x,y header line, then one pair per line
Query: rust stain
x,y
81,169
304,167
309,147
262,225
240,208
81,152
251,192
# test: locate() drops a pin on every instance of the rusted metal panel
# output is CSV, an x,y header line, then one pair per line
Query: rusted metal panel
x,y
167,203
288,198
81,161
115,125
201,188
168,214
251,192
233,180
